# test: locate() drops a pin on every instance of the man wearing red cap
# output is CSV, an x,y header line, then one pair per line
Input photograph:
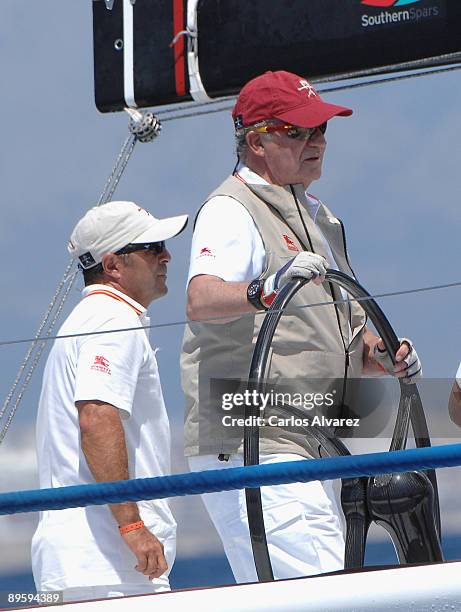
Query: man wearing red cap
x,y
258,230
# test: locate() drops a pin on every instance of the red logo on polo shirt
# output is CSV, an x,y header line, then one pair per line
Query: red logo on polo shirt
x,y
101,364
290,244
205,252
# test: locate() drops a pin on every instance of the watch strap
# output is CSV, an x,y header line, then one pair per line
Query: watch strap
x,y
254,291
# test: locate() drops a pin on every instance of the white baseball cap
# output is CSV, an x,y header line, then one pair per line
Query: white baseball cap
x,y
112,226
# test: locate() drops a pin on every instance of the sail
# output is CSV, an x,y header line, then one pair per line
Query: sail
x,y
221,44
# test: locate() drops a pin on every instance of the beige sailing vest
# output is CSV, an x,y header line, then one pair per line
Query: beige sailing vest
x,y
314,350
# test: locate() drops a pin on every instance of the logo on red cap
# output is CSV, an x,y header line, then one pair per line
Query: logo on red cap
x,y
308,87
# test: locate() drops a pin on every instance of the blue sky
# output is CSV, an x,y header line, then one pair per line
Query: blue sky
x,y
391,173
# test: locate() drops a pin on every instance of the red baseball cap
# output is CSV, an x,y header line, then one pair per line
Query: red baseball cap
x,y
285,96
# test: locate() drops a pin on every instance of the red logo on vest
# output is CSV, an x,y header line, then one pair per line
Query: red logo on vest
x,y
290,244
101,364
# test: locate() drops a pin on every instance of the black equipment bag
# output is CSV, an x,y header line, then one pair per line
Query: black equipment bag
x,y
224,43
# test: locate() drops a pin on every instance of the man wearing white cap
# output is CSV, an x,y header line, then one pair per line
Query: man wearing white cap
x,y
257,230
102,417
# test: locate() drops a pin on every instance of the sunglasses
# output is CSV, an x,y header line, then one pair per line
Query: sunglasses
x,y
153,247
292,131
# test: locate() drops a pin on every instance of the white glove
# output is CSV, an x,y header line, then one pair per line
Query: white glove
x,y
304,265
413,369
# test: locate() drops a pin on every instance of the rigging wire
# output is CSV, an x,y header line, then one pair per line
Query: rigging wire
x,y
402,67
226,317
217,106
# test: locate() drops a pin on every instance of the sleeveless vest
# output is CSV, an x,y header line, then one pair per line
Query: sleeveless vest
x,y
315,350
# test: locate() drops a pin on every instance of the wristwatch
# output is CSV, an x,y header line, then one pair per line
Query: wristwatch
x,y
254,290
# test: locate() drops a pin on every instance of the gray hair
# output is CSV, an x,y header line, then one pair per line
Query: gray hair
x,y
241,146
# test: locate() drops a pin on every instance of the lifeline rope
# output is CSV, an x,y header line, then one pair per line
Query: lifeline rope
x,y
212,481
225,317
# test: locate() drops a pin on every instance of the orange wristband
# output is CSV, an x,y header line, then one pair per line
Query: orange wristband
x,y
131,527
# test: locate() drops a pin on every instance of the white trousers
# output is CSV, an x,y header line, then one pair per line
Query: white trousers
x,y
303,521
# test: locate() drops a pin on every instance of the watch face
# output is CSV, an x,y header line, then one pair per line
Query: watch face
x,y
254,293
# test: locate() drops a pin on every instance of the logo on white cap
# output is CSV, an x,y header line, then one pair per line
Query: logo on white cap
x,y
308,87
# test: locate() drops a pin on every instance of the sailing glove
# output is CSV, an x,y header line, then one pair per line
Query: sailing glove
x,y
413,369
304,265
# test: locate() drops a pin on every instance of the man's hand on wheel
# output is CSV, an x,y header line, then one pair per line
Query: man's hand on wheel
x,y
407,363
305,265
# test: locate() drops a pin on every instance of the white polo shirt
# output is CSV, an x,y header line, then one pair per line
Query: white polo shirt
x,y
82,546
